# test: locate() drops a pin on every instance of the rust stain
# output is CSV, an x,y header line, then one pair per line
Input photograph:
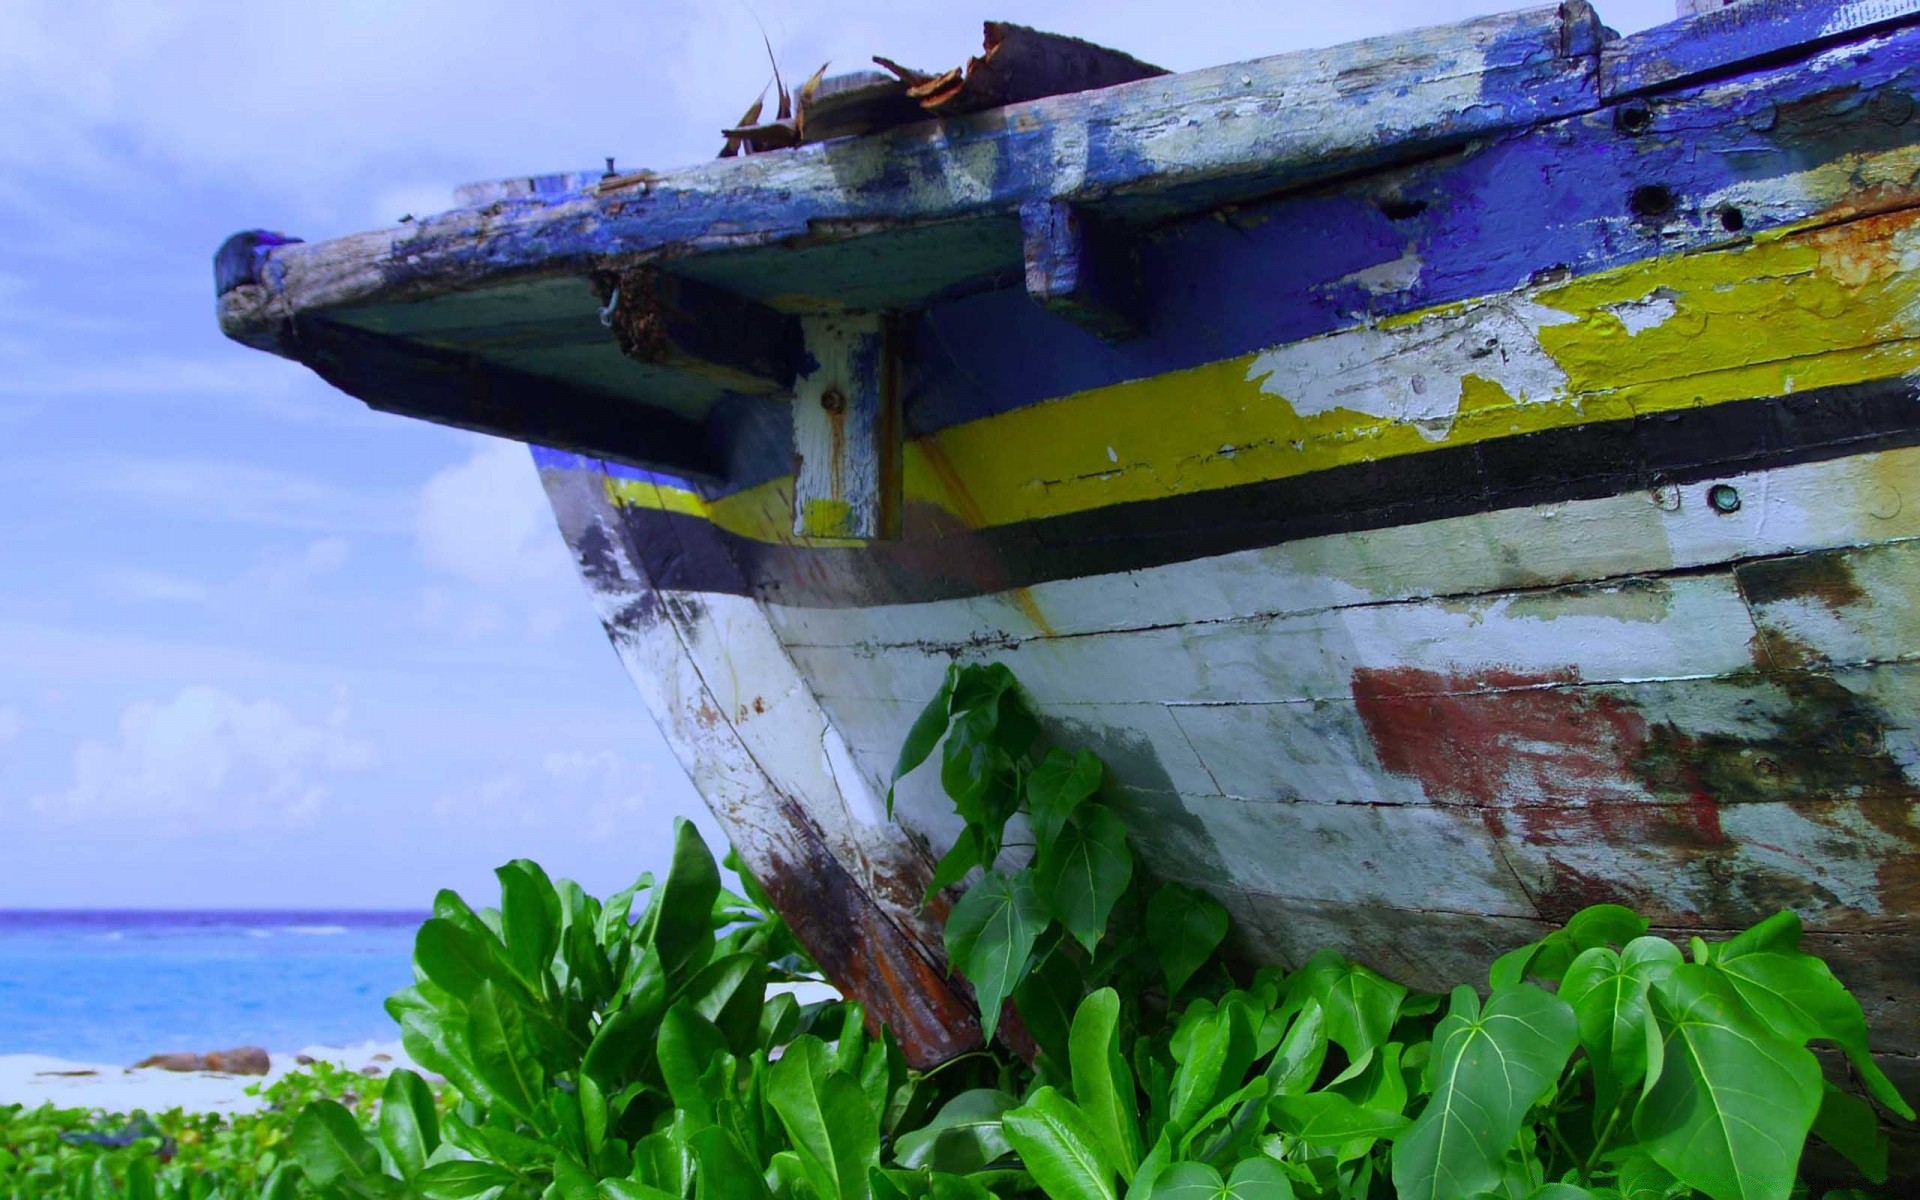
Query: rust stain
x,y
1825,578
865,954
1578,774
1488,737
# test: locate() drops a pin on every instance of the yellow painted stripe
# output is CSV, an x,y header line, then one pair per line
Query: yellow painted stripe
x,y
1799,308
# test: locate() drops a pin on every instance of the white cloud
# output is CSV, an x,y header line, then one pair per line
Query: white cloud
x,y
209,760
598,794
335,94
137,584
234,492
486,523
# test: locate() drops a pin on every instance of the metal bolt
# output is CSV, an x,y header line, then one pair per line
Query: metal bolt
x,y
1724,498
832,401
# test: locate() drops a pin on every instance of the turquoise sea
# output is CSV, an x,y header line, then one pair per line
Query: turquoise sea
x,y
114,987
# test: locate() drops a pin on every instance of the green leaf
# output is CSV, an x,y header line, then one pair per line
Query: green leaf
x,y
633,1189
1102,1084
1560,1191
688,1044
1798,996
1604,925
725,1172
1081,875
1213,1048
530,914
1301,1053
825,1113
965,1136
978,775
571,1181
1184,927
1048,996
681,914
1489,1066
140,1179
457,959
1849,1125
1257,1178
1608,992
729,992
990,936
943,1186
284,1184
409,1125
1330,1119
925,733
501,1057
1640,1178
1056,788
964,856
1361,1006
329,1145
1733,1104
1058,1145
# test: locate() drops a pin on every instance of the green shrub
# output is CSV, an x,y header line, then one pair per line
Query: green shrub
x,y
599,1056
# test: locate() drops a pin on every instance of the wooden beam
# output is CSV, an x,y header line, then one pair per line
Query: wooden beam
x,y
1713,38
1081,269
846,431
697,329
451,388
1175,143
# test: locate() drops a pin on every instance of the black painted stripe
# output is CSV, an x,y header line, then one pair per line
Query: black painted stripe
x,y
936,560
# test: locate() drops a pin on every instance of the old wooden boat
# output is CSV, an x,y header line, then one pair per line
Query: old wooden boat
x,y
1452,478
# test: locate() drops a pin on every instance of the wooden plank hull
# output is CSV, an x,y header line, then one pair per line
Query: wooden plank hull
x,y
1441,615
1451,479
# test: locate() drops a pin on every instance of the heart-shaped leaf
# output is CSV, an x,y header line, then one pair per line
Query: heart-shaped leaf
x,y
963,1137
927,730
1057,787
1733,1104
1798,996
1361,1006
1081,874
1608,992
1184,927
1488,1067
990,936
1258,1178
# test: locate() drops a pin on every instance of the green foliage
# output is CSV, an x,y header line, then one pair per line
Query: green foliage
x,y
638,1048
77,1154
1598,1063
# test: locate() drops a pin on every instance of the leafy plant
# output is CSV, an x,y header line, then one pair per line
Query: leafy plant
x,y
1074,917
77,1154
1598,1063
641,1048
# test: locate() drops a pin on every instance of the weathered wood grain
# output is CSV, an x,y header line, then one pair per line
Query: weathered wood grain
x,y
1227,132
1813,506
847,430
754,741
1716,38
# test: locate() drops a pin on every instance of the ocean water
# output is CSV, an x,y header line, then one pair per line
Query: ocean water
x,y
114,987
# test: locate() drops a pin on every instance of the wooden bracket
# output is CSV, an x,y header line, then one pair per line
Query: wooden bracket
x,y
846,430
1081,269
697,329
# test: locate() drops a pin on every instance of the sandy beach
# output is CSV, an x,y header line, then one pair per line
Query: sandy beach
x,y
35,1079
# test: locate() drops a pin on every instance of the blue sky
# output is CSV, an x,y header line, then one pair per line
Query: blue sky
x,y
260,646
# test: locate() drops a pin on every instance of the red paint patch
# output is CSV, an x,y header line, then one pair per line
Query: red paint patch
x,y
1502,737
